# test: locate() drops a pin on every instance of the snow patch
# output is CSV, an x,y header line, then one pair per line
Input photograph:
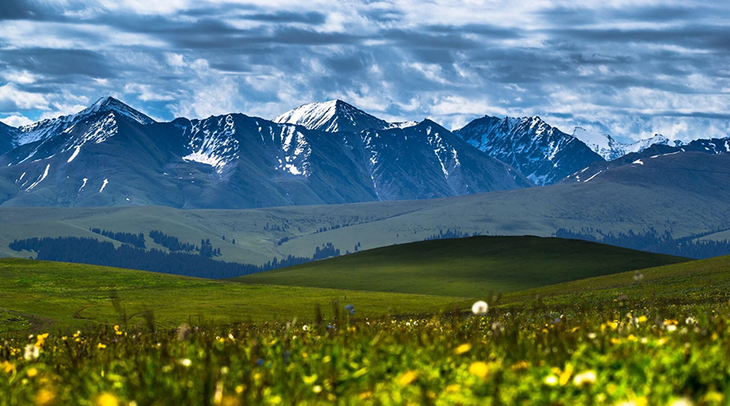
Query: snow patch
x,y
83,185
103,185
40,179
638,162
594,175
73,156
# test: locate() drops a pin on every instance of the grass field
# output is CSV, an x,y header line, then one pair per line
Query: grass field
x,y
654,337
465,267
54,296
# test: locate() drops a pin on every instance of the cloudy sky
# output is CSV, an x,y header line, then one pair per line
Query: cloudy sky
x,y
627,67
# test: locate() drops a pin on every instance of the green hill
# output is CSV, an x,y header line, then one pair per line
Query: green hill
x,y
694,283
40,295
467,267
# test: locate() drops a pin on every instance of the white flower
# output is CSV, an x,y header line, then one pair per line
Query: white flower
x,y
671,328
31,352
185,362
480,308
690,320
551,380
682,402
587,377
305,327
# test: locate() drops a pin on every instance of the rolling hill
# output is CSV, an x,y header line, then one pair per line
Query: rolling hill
x,y
48,296
464,267
695,283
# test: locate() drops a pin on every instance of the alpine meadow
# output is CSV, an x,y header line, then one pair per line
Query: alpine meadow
x,y
393,203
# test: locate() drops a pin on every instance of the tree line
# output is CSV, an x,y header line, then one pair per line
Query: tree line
x,y
136,240
92,251
652,241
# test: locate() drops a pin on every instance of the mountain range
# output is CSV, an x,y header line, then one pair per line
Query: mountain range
x,y
110,154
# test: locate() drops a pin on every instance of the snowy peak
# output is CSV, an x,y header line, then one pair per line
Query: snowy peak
x,y
541,152
331,116
54,126
110,104
610,149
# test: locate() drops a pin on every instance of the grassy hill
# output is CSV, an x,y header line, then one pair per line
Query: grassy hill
x,y
53,295
691,283
465,267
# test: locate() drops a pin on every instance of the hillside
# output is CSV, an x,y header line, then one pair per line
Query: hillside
x,y
51,295
684,194
466,267
693,283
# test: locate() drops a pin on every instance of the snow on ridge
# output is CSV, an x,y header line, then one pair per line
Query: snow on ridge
x,y
295,152
312,115
103,185
610,149
64,124
214,146
40,179
73,156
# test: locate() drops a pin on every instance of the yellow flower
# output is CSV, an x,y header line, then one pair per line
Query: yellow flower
x,y
551,380
32,372
642,319
479,369
317,389
462,349
100,346
7,367
584,378
41,339
407,378
565,375
453,388
44,397
107,399
520,366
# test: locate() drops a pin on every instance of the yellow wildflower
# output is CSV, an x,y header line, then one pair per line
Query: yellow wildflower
x,y
407,378
462,349
101,346
32,373
479,369
551,380
44,397
565,375
107,399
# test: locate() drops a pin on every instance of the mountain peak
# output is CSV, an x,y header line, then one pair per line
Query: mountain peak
x,y
331,116
110,104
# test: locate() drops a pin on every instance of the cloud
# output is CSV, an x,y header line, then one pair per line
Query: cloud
x,y
629,67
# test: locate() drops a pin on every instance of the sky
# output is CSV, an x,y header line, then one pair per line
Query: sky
x,y
630,68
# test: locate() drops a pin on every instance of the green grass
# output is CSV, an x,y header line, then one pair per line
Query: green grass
x,y
52,296
612,340
688,283
467,267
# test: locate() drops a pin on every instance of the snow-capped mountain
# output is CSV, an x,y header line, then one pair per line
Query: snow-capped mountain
x,y
49,127
542,153
334,116
110,155
639,159
610,149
